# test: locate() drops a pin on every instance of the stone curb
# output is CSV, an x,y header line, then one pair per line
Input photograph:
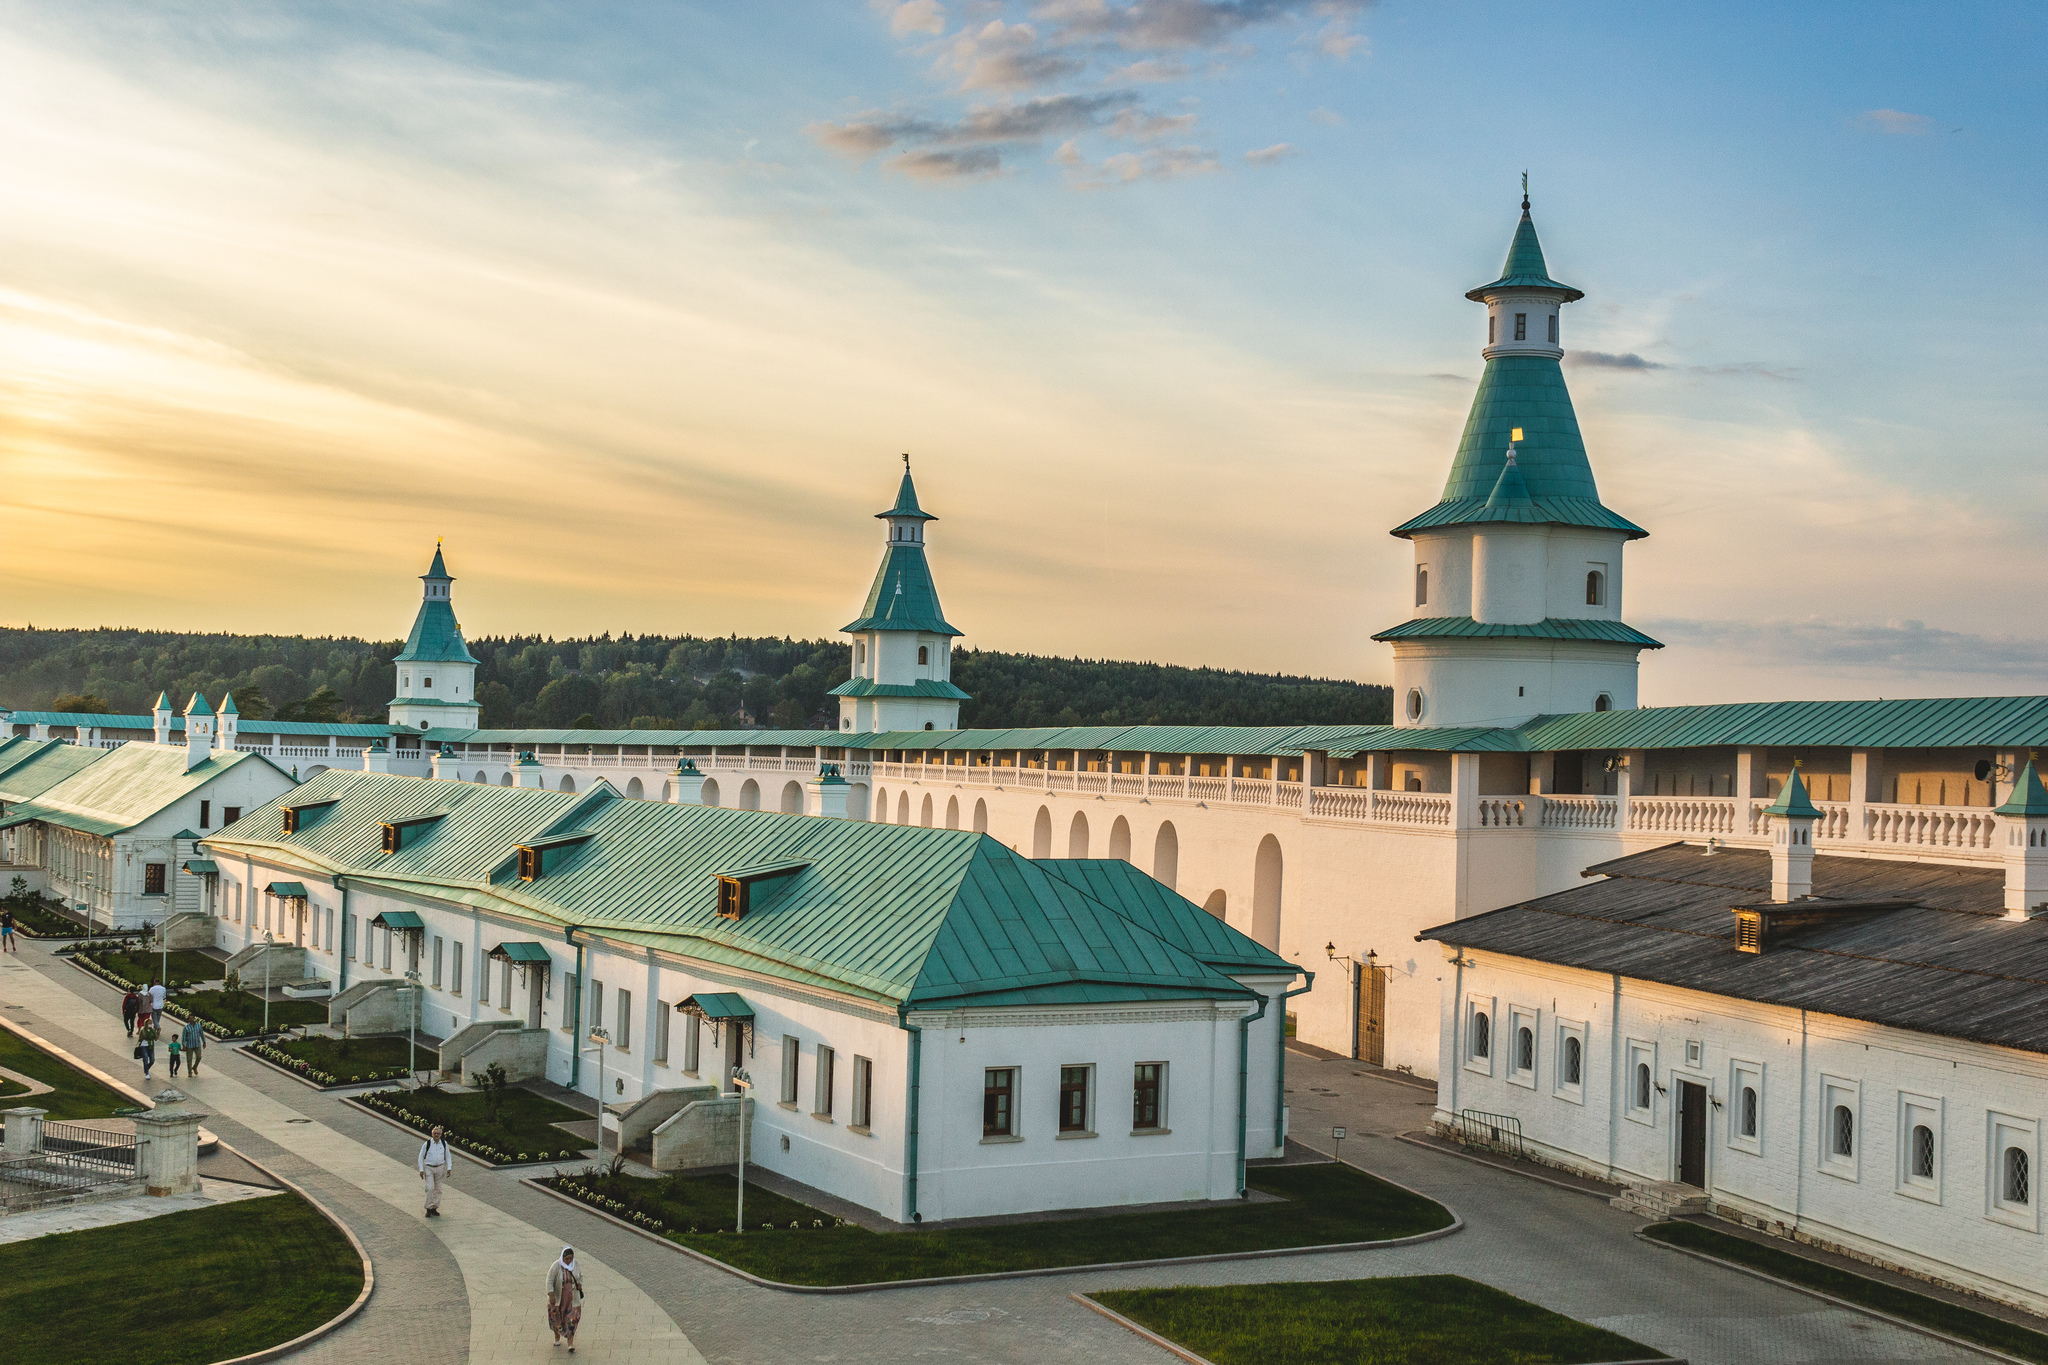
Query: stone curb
x,y
1457,1224
405,1127
1170,1347
1979,1347
170,1008
78,1063
340,1319
1495,1165
313,1085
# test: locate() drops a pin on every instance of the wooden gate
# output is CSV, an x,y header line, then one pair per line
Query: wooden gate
x,y
1371,993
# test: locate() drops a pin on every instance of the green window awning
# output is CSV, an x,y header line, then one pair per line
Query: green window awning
x,y
520,952
297,889
202,867
398,919
719,1005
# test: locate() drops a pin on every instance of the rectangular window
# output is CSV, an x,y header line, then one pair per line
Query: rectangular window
x,y
1074,1098
440,947
791,1051
483,982
571,1004
998,1114
388,936
1746,1107
1522,1024
863,1092
1521,326
1841,1127
691,1043
153,879
230,814
1479,1030
661,1022
205,814
1919,1147
1492,324
821,1105
1639,1082
505,985
330,931
2010,1166
353,936
1568,1072
455,971
1553,329
622,1036
1148,1097
596,1012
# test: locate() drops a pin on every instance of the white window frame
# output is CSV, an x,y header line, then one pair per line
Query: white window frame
x,y
2001,1131
622,1036
863,1098
693,1045
792,1055
1572,1091
455,969
824,1081
1915,1110
662,1012
1744,1075
1476,1005
1523,1017
1837,1091
1639,1052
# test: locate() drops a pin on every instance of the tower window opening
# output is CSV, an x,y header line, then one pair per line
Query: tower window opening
x,y
1603,702
429,681
1553,329
1521,326
1492,325
1422,587
924,654
1415,703
1596,589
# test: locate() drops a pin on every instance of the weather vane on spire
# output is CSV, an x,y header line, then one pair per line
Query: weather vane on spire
x,y
906,462
1525,189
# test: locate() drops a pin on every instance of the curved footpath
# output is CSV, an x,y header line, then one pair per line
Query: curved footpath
x,y
467,1286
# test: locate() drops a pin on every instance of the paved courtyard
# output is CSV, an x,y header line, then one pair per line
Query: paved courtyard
x,y
468,1286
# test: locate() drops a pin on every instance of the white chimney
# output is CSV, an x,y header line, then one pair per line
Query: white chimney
x,y
198,731
161,714
2023,820
1792,816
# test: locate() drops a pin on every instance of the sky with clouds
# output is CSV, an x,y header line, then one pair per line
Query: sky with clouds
x,y
637,305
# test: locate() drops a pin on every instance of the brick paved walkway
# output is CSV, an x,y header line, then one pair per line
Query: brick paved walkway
x,y
466,1287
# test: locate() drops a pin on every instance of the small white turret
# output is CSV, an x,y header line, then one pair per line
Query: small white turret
x,y
1792,818
198,731
230,724
161,715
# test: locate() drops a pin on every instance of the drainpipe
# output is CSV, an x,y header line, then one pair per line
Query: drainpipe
x,y
910,1108
341,969
1280,1065
575,1026
1244,1084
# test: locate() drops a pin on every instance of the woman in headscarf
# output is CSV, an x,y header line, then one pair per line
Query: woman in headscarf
x,y
565,1298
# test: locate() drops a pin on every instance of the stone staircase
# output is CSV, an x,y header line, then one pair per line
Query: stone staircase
x,y
1660,1199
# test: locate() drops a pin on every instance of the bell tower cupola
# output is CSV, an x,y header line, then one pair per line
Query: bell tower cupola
x,y
436,671
902,643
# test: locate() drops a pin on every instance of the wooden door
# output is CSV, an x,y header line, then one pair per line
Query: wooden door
x,y
1692,1134
1371,991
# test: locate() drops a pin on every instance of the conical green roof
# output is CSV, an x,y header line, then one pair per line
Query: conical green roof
x,y
198,706
906,502
437,569
163,701
2028,797
1510,490
1525,268
1793,803
228,707
903,596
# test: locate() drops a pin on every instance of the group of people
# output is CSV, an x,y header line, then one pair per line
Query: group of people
x,y
142,1014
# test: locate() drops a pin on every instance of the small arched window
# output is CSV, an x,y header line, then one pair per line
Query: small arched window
x,y
1415,703
1642,1085
1482,1036
1574,1060
1596,589
1749,1111
924,654
860,651
1492,325
1603,702
430,681
1422,587
2015,1177
1553,329
1923,1152
1525,1049
1842,1132
927,725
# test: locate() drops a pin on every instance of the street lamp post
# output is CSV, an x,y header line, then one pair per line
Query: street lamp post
x,y
267,941
412,1027
600,1037
742,1083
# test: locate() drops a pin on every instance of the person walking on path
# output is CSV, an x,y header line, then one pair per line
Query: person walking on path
x,y
435,1160
565,1298
7,943
156,1004
145,1049
173,1047
131,1005
194,1039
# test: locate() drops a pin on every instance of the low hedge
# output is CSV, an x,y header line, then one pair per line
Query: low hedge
x,y
383,1102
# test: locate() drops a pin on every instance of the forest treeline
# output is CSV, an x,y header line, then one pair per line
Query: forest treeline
x,y
640,682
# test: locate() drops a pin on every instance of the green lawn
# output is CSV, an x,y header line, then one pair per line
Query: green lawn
x,y
1904,1303
187,968
699,1203
366,1057
77,1096
222,1282
525,1128
240,1012
1410,1320
31,915
1325,1203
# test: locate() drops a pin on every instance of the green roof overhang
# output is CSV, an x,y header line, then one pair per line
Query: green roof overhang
x,y
717,1005
202,867
291,890
523,951
1552,628
398,919
923,687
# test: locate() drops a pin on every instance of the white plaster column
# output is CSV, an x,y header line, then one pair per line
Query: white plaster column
x,y
167,1146
686,784
1465,791
827,794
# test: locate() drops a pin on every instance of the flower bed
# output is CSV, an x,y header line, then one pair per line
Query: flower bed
x,y
234,1015
187,968
687,1204
321,1061
37,920
506,1143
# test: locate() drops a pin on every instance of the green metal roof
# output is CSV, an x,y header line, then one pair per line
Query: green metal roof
x,y
437,569
721,1004
1551,628
227,705
30,767
659,739
126,786
1793,803
903,596
427,701
923,687
202,867
912,916
1927,723
435,637
906,502
289,890
524,951
198,705
2028,797
1169,915
1524,268
249,728
400,919
1416,738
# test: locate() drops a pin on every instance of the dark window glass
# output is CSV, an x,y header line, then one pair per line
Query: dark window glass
x,y
1553,329
230,814
152,879
2016,1182
996,1088
924,654
1145,1094
1749,1111
1642,1085
1525,1050
1073,1099
1521,326
1923,1151
1574,1061
205,813
1596,589
1482,1035
1842,1132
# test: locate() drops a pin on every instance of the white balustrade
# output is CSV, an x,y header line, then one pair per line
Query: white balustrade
x,y
1412,808
1122,784
1290,796
1340,803
1682,814
1502,812
1251,791
1208,789
1579,812
1932,826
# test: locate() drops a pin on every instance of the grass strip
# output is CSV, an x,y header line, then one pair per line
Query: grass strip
x,y
221,1282
33,916
341,1061
1405,1320
234,1014
77,1095
524,1129
687,1203
187,968
1323,1204
1938,1314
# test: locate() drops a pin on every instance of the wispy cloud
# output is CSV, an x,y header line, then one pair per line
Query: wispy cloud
x,y
1000,56
1629,361
1151,71
1896,122
975,138
1902,646
1130,168
1181,23
1329,117
1266,156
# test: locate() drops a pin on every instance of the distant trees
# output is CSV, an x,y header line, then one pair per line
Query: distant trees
x,y
644,682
